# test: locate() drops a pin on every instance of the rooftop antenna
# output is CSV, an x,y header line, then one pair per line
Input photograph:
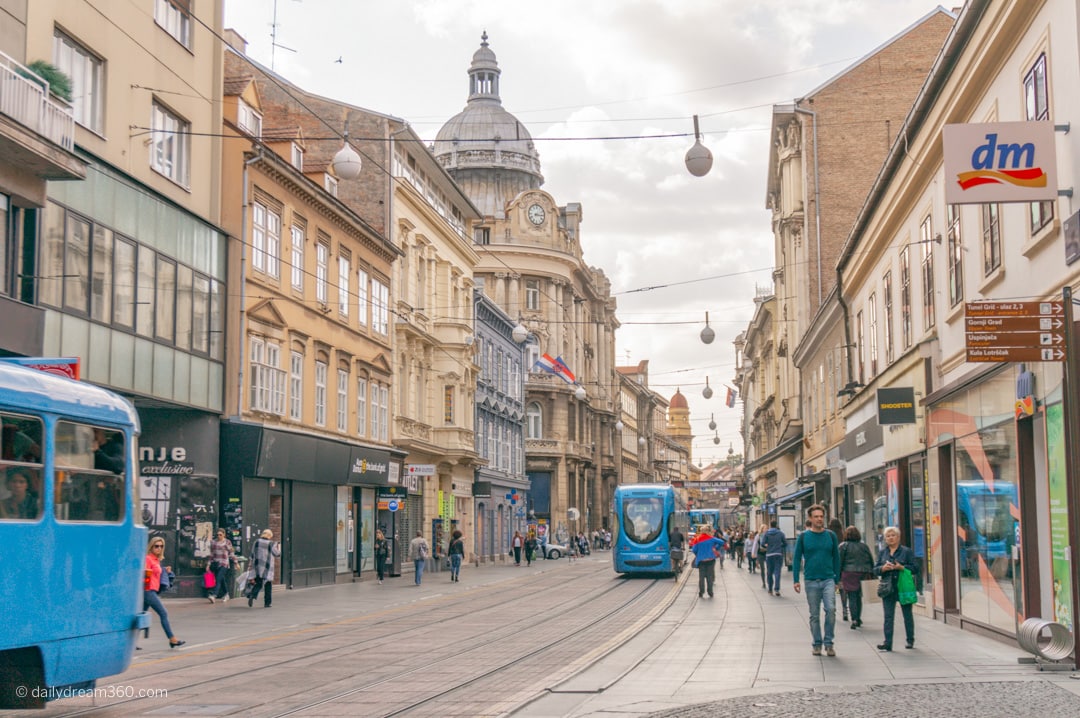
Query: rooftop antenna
x,y
273,37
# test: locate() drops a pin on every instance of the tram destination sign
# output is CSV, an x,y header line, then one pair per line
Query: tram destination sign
x,y
1014,331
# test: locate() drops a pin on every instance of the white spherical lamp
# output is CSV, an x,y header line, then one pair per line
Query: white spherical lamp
x,y
346,163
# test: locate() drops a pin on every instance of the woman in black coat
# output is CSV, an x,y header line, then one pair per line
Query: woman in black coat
x,y
893,559
855,563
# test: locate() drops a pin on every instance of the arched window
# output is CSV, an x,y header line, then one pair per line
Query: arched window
x,y
534,422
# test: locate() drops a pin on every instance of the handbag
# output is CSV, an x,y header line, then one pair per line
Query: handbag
x,y
209,580
870,590
887,585
905,588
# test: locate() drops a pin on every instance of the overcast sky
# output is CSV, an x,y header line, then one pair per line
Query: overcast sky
x,y
612,69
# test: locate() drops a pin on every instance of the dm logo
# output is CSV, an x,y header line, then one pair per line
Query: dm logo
x,y
999,162
1003,162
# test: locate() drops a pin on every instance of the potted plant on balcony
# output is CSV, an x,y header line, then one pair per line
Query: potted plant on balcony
x,y
58,82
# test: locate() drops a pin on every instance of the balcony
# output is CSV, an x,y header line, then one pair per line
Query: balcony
x,y
37,133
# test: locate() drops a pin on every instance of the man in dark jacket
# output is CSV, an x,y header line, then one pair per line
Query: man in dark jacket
x,y
775,543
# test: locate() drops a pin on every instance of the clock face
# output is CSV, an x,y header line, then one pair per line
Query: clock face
x,y
536,214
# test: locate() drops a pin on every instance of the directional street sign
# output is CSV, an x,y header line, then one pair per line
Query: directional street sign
x,y
1014,331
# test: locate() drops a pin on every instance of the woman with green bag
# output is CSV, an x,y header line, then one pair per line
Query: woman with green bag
x,y
895,565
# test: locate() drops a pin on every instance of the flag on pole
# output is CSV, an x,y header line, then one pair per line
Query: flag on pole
x,y
730,400
545,363
563,371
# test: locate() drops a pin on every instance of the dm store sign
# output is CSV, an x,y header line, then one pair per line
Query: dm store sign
x,y
999,162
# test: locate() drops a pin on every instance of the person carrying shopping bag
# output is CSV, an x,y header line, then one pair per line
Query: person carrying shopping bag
x,y
890,566
263,553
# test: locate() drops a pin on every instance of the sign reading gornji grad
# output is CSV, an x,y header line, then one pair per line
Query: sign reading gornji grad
x,y
896,405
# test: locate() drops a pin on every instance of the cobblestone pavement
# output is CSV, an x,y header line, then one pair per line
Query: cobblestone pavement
x,y
971,700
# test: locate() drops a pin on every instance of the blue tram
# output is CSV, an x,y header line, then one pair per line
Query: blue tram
x,y
71,543
705,517
644,516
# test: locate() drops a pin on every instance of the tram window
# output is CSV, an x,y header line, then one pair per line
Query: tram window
x,y
20,470
90,476
643,519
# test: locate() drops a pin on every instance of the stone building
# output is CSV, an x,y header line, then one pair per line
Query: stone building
x,y
531,264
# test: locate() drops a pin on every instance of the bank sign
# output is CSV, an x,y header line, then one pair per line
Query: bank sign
x,y
999,162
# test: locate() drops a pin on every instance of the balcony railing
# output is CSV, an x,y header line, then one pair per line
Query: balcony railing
x,y
28,102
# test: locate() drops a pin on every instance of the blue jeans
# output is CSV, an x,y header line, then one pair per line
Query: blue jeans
x,y
820,591
221,578
773,564
418,567
455,564
152,601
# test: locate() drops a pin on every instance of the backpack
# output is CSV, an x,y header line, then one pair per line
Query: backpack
x,y
422,552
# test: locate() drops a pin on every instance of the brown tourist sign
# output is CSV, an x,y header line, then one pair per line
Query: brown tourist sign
x,y
1014,331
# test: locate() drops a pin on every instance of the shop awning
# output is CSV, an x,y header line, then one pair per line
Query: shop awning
x,y
791,497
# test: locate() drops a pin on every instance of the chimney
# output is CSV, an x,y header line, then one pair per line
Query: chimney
x,y
235,41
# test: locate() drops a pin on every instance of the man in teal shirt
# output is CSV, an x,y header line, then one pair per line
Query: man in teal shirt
x,y
821,552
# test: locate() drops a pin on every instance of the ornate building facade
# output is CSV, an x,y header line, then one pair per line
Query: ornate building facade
x,y
532,265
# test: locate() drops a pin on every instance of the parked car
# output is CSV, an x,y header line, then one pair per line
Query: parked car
x,y
552,550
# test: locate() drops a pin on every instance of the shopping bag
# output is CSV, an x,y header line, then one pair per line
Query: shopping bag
x,y
870,590
242,580
905,588
209,580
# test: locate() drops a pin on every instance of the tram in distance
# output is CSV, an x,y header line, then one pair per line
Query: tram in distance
x,y
645,515
72,545
705,517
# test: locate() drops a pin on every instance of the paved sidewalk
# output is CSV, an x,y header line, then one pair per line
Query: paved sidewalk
x,y
747,653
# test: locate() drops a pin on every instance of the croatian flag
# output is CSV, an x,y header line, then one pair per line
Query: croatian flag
x,y
545,363
563,371
730,401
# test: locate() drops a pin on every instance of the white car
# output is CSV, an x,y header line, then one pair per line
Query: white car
x,y
551,550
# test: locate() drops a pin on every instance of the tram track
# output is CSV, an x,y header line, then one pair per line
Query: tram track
x,y
347,646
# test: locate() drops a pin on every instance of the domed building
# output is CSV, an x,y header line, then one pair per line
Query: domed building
x,y
531,265
678,426
487,151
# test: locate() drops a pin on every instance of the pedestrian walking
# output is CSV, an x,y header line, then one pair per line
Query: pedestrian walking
x,y
517,543
263,553
456,552
382,554
890,565
153,585
775,544
820,551
222,559
738,546
838,531
856,563
706,551
750,546
530,548
419,552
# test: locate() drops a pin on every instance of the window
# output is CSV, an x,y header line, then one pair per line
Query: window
x,y
991,244
322,263
320,393
296,386
534,422
297,157
342,400
169,143
926,246
362,292
266,239
91,466
87,73
296,257
482,235
174,17
344,272
77,264
124,283
330,184
1037,108
871,309
955,257
21,452
380,411
887,307
380,298
248,119
267,377
165,321
905,295
860,328
448,405
361,406
532,294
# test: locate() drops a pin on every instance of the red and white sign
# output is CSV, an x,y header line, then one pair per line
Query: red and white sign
x,y
999,162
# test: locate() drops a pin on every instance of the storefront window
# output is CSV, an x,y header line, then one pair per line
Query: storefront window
x,y
986,503
869,511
